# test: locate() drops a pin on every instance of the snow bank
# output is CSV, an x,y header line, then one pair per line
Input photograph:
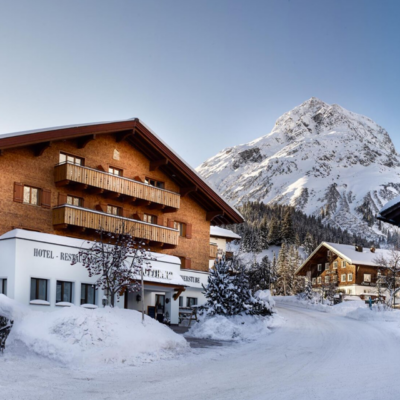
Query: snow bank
x,y
237,327
77,336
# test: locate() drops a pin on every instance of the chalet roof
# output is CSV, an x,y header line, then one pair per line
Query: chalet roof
x,y
349,254
390,212
216,231
146,141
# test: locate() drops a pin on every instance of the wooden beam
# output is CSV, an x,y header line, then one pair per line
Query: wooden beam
x,y
112,195
38,149
84,140
142,203
158,163
80,186
212,214
120,136
168,209
1,152
94,190
178,293
186,190
65,182
156,206
60,226
167,246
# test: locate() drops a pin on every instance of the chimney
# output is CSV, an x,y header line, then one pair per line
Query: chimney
x,y
359,249
372,249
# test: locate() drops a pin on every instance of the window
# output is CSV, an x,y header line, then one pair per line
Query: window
x,y
335,278
180,301
153,182
191,301
151,219
31,195
329,253
326,266
115,171
335,263
160,301
314,281
319,280
74,201
3,286
343,279
367,278
70,159
64,292
88,294
344,264
327,279
38,289
113,210
349,277
319,267
181,228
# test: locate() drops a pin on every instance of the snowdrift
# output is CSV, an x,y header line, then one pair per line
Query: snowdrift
x,y
78,337
237,327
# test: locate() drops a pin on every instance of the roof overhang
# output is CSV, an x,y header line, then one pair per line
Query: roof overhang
x,y
141,137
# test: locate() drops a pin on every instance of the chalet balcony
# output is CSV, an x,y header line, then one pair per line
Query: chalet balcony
x,y
68,173
65,216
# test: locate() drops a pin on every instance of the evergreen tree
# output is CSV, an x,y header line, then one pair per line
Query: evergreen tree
x,y
264,231
308,244
287,232
261,275
274,234
227,291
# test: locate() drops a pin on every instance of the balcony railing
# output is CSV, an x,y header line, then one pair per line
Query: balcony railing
x,y
66,215
67,172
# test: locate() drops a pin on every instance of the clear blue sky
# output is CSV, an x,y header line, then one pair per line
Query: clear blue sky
x,y
204,75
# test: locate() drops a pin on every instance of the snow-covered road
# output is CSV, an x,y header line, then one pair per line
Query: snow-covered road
x,y
314,355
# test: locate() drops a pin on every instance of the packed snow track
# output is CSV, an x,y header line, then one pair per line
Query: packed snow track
x,y
313,355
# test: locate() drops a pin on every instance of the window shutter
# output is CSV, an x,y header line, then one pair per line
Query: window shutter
x,y
170,223
188,231
101,207
160,220
126,213
46,198
18,192
188,263
62,199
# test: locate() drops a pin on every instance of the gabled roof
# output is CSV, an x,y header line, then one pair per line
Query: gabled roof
x,y
216,231
349,254
141,137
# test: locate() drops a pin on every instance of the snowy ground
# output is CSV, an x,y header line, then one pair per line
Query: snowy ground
x,y
314,354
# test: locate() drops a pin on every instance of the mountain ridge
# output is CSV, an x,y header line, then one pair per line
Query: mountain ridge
x,y
319,158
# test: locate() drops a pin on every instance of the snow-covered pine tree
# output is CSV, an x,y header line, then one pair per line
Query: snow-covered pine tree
x,y
283,271
227,291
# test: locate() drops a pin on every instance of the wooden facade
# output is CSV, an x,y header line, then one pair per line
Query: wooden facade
x,y
325,267
40,193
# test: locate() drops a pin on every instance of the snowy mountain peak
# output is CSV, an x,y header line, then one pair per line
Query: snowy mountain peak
x,y
320,158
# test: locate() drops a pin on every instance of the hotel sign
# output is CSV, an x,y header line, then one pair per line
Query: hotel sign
x,y
191,279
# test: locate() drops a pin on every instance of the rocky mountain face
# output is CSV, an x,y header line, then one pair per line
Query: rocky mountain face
x,y
319,158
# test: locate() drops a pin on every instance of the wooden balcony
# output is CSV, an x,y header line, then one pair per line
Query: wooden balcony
x,y
66,215
213,250
67,173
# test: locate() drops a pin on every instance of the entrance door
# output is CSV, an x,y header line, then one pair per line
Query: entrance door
x,y
160,307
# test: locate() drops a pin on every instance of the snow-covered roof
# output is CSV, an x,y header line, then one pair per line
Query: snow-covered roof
x,y
390,204
349,254
224,233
